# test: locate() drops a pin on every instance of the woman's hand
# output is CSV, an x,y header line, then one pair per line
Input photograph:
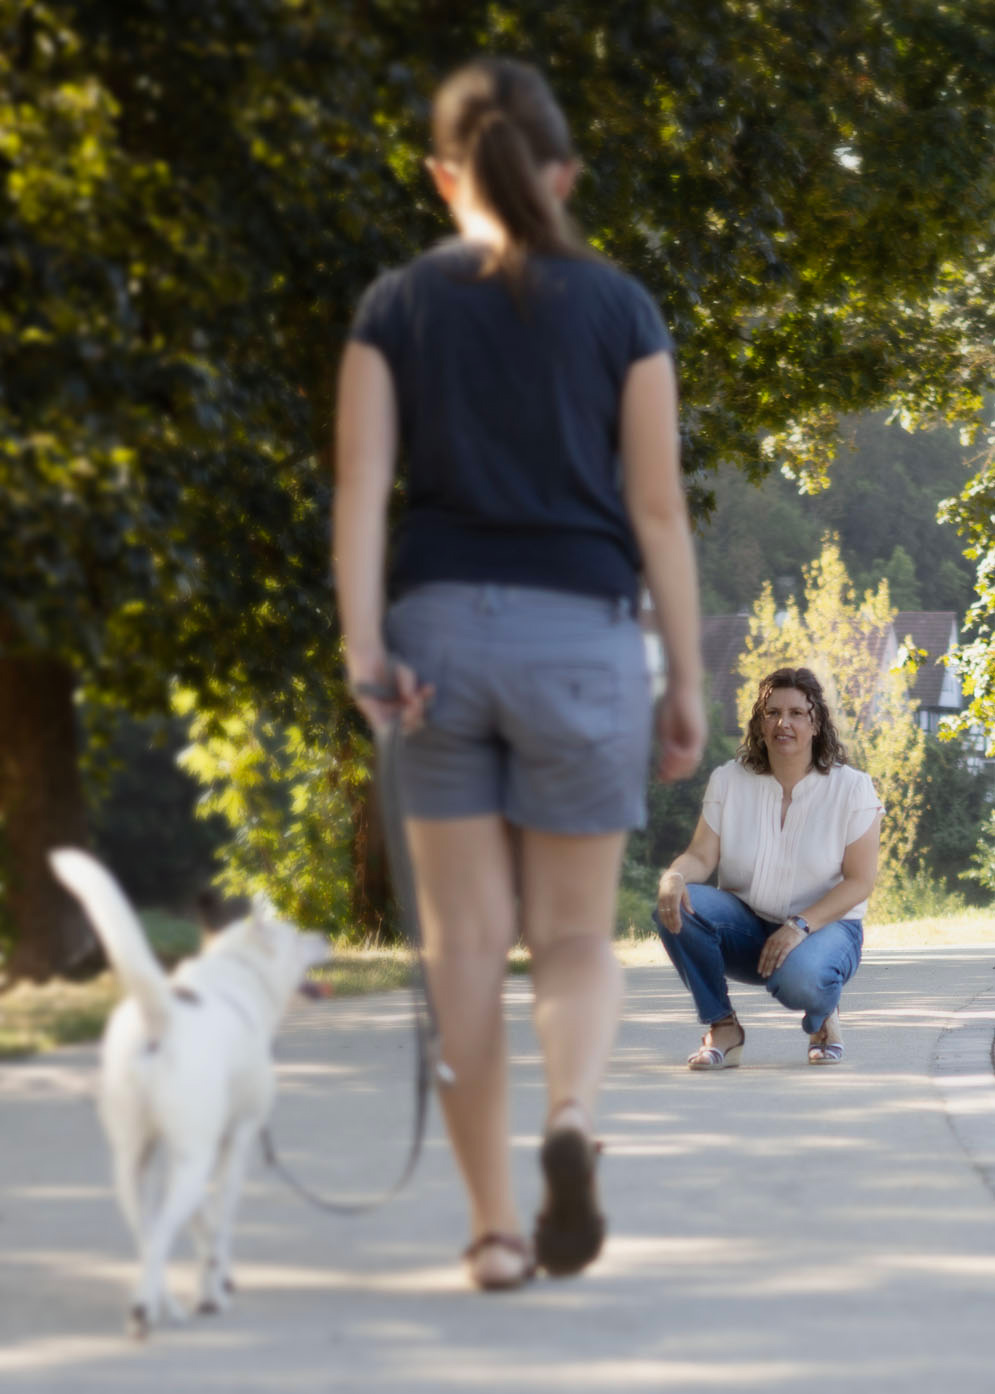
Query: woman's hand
x,y
385,689
671,896
683,730
777,948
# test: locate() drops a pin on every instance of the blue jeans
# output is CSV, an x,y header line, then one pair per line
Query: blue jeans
x,y
722,938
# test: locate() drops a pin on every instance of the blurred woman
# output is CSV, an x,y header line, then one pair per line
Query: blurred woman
x,y
793,831
531,389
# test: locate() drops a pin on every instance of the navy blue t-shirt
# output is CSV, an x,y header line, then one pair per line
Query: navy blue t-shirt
x,y
509,417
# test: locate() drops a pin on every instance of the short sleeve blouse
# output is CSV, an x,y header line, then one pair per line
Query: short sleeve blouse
x,y
781,871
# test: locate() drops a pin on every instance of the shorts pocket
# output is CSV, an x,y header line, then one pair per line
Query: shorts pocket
x,y
572,703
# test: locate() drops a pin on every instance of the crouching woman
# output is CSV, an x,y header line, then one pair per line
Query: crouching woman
x,y
793,831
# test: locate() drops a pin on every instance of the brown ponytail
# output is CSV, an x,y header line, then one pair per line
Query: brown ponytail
x,y
499,116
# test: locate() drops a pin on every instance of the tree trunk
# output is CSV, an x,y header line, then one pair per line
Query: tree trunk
x,y
372,901
41,806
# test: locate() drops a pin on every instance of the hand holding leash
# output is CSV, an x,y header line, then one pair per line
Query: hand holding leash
x,y
393,703
391,692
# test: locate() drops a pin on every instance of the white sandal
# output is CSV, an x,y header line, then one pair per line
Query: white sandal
x,y
826,1052
711,1057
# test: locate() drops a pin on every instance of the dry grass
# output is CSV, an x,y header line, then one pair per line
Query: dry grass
x,y
36,1018
973,928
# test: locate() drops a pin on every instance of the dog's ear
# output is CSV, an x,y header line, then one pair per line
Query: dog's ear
x,y
216,911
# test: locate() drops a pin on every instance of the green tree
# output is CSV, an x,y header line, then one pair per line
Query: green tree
x,y
888,484
287,803
193,195
175,266
843,639
142,811
900,573
973,514
955,809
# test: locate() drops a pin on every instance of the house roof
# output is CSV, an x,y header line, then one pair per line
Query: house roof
x,y
935,631
723,638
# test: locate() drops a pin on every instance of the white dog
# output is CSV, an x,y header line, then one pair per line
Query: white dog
x,y
186,1074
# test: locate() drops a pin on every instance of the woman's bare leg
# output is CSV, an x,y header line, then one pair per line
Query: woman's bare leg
x,y
465,880
569,889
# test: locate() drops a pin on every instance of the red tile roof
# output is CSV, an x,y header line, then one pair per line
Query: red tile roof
x,y
932,630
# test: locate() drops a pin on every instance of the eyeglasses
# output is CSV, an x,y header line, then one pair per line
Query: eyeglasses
x,y
791,714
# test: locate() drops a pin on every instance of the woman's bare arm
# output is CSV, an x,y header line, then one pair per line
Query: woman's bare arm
x,y
656,506
366,452
696,865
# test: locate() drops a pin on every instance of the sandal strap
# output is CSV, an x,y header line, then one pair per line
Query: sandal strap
x,y
561,1104
715,1054
597,1147
513,1243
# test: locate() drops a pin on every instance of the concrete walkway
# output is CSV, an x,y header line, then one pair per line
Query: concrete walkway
x,y
775,1228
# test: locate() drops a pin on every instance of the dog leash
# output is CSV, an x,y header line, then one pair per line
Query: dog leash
x,y
429,1066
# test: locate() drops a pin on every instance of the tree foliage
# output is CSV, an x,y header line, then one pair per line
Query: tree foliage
x,y
842,638
956,806
142,811
192,197
288,804
973,513
887,487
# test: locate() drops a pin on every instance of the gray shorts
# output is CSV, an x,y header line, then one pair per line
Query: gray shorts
x,y
542,707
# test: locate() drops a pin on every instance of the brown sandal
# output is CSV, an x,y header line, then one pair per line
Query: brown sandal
x,y
570,1228
511,1244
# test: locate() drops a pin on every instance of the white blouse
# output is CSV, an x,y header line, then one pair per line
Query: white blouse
x,y
780,871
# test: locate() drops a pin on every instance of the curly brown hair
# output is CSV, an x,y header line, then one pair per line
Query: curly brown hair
x,y
827,748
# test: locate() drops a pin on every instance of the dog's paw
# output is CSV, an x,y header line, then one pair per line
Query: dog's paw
x,y
215,1298
137,1325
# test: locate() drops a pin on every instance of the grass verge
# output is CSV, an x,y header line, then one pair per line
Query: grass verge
x,y
36,1018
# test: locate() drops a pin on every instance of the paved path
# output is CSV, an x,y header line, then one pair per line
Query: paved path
x,y
775,1228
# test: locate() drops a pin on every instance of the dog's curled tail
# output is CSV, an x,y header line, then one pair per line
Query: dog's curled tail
x,y
119,929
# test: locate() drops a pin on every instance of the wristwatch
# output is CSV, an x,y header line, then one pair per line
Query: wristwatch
x,y
799,922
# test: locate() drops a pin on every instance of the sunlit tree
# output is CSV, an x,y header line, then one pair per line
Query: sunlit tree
x,y
193,195
848,643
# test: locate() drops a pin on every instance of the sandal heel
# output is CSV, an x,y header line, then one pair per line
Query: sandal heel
x,y
570,1228
712,1057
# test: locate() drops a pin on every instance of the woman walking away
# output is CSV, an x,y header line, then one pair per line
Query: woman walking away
x,y
531,388
793,830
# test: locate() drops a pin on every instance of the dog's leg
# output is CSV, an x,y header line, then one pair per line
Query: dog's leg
x,y
184,1192
216,1284
130,1163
